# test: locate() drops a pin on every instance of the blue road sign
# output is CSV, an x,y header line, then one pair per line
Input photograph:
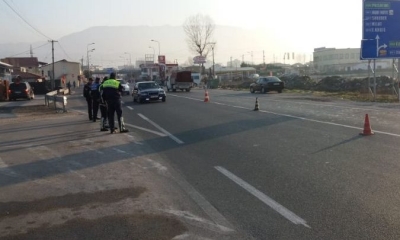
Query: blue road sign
x,y
381,20
368,49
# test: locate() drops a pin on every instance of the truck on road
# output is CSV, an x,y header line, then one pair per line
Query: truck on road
x,y
180,80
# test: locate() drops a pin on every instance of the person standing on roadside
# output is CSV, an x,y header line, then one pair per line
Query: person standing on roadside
x,y
103,109
86,94
95,94
112,90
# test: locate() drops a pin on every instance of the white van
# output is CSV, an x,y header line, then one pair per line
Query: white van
x,y
196,79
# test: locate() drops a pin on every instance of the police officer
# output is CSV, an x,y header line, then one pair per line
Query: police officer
x,y
112,90
103,109
86,94
95,94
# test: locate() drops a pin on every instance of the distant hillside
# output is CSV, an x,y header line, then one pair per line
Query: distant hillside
x,y
112,42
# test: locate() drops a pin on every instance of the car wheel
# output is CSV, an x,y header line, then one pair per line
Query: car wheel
x,y
195,84
251,89
262,90
280,91
164,99
134,99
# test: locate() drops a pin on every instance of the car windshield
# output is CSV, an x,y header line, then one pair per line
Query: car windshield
x,y
148,85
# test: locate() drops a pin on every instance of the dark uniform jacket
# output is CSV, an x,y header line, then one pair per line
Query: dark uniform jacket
x,y
86,91
111,89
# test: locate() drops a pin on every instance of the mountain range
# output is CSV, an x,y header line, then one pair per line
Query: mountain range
x,y
113,43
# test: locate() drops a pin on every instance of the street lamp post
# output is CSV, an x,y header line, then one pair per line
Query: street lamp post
x,y
87,56
151,69
154,52
158,46
130,64
212,48
251,57
88,60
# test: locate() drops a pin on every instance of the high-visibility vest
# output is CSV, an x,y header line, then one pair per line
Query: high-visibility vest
x,y
111,83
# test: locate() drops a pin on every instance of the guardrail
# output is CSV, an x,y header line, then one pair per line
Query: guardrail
x,y
58,101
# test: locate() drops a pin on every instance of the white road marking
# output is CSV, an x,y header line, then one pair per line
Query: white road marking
x,y
137,127
322,105
161,129
303,118
130,108
119,150
45,153
90,148
146,130
79,111
133,139
6,171
208,224
264,198
220,221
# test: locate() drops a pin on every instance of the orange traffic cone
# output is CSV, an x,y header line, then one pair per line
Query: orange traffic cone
x,y
367,127
206,98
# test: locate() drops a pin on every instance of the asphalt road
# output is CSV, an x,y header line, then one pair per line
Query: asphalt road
x,y
296,169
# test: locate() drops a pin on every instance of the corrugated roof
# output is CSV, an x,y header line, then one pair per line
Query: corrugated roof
x,y
5,64
26,75
22,61
63,60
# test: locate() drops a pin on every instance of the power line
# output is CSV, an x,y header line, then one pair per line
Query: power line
x,y
29,50
25,20
64,51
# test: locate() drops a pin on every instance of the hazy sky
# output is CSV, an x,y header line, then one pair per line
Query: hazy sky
x,y
299,25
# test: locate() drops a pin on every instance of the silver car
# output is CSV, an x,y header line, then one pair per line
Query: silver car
x,y
126,87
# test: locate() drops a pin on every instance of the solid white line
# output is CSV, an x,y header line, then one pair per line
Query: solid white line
x,y
222,223
130,108
289,215
147,130
137,127
161,129
306,119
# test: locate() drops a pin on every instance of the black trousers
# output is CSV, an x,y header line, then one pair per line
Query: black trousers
x,y
95,108
114,106
90,107
103,110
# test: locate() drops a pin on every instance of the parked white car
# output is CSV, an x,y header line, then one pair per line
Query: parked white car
x,y
125,85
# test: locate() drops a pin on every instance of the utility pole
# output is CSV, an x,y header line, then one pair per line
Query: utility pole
x,y
212,47
264,58
231,62
31,51
242,58
52,77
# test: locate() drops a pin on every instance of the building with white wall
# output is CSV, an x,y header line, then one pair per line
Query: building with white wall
x,y
63,69
345,59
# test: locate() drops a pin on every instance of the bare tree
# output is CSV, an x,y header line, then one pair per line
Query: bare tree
x,y
199,30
